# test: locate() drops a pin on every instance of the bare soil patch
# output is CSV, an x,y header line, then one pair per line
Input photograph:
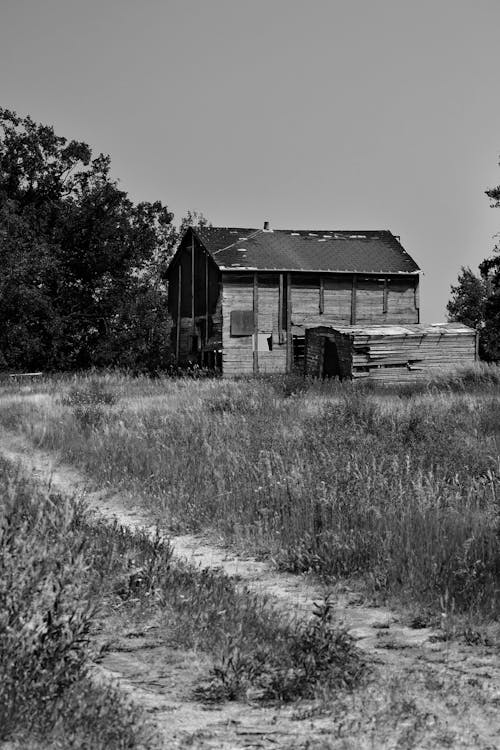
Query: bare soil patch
x,y
424,691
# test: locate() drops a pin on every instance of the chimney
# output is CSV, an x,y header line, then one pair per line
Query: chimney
x,y
266,226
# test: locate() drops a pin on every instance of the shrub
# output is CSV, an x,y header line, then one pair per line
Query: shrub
x,y
94,391
293,662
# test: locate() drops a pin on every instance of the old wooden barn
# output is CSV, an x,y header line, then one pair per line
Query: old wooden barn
x,y
388,353
241,299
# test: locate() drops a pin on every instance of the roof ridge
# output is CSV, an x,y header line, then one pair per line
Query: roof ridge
x,y
335,231
300,231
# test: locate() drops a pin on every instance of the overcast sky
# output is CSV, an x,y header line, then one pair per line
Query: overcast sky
x,y
313,114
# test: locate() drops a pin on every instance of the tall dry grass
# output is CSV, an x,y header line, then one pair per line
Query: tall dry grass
x,y
65,578
49,593
397,486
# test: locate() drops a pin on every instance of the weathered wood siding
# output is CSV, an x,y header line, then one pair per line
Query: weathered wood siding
x,y
265,349
284,311
334,300
369,301
337,299
237,351
305,300
402,301
194,301
269,319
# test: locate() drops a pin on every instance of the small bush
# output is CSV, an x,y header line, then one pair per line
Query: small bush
x,y
295,662
93,392
89,403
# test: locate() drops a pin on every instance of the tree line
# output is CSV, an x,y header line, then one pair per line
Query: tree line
x,y
82,266
475,299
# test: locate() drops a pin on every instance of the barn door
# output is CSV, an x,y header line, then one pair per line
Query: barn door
x,y
331,364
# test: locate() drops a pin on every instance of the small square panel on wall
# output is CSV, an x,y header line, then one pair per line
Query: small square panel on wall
x,y
242,323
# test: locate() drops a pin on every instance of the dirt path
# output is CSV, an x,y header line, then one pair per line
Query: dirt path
x,y
449,691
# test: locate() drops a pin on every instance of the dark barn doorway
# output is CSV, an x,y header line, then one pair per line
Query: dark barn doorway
x,y
331,363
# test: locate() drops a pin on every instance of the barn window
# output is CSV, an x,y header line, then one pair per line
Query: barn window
x,y
242,323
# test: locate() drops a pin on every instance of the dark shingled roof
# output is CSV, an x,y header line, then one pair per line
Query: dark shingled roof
x,y
237,248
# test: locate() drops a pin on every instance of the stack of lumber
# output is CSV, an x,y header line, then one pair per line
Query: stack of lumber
x,y
389,353
402,353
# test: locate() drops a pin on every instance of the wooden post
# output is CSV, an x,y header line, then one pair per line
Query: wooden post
x,y
288,323
255,324
193,325
280,309
353,300
321,295
178,333
206,298
385,296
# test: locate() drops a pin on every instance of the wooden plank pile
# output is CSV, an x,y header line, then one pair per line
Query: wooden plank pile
x,y
402,353
393,353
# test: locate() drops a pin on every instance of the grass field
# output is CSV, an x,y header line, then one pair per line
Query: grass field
x,y
70,587
398,488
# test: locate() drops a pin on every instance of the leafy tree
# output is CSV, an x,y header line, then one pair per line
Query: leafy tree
x,y
192,219
78,257
468,299
490,270
475,300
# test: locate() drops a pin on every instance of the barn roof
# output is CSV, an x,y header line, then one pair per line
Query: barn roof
x,y
243,248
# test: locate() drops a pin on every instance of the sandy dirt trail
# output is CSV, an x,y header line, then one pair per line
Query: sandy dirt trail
x,y
455,687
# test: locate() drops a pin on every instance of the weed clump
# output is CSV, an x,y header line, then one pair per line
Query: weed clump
x,y
298,662
88,403
92,392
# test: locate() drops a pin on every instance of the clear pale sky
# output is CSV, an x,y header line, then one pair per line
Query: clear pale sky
x,y
314,114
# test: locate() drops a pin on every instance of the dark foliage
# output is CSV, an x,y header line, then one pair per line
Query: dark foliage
x,y
82,264
475,300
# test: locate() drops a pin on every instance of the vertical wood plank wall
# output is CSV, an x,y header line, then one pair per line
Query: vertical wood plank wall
x,y
311,301
288,338
179,300
193,319
237,351
255,324
207,292
194,301
280,309
243,355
